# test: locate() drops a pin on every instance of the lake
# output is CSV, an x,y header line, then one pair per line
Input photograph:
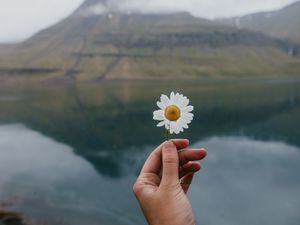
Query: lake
x,y
71,153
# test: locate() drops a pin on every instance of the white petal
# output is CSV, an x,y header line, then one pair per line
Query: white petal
x,y
185,126
161,105
164,99
191,115
184,102
172,127
161,124
172,94
186,121
167,124
177,131
158,115
158,112
187,116
176,98
188,109
189,122
177,127
180,100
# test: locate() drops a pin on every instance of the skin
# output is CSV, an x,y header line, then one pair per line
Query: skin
x,y
164,181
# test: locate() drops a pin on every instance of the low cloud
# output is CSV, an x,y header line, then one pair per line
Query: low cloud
x,y
97,9
21,19
204,8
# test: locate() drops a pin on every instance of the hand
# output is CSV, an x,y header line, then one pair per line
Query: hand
x,y
164,181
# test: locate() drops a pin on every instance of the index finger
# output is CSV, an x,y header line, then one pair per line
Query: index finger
x,y
191,155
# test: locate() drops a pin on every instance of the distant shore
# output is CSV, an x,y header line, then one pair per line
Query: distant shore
x,y
11,218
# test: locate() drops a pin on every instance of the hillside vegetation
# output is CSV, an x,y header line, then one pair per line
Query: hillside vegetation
x,y
283,23
116,45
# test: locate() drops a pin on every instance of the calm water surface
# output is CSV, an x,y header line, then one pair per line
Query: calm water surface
x,y
70,154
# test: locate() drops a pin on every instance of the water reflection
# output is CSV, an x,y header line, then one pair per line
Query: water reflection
x,y
76,156
100,119
51,184
248,182
243,181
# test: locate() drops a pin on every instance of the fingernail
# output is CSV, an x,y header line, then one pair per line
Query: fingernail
x,y
204,152
169,144
188,141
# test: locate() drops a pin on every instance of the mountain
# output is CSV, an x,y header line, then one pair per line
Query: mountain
x,y
99,42
283,23
89,3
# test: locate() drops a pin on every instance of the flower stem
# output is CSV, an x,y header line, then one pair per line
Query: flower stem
x,y
167,134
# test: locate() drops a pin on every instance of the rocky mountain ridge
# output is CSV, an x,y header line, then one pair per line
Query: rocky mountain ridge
x,y
283,23
117,45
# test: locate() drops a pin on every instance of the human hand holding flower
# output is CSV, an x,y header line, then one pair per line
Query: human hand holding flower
x,y
164,181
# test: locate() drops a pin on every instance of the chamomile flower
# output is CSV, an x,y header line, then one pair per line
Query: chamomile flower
x,y
174,113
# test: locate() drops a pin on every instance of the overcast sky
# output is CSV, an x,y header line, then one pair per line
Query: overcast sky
x,y
19,19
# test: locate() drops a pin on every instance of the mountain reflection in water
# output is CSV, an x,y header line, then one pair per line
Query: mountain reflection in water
x,y
52,184
70,153
103,118
243,182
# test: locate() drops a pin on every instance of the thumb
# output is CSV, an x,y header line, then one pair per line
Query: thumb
x,y
170,162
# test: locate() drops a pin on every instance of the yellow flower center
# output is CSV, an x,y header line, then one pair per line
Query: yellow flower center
x,y
172,113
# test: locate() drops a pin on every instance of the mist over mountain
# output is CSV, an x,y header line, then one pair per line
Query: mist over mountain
x,y
283,23
99,7
204,8
99,42
24,19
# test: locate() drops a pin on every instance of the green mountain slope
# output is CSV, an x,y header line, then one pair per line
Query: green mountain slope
x,y
283,23
117,45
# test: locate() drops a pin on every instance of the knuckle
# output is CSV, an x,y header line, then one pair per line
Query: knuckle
x,y
137,188
170,159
